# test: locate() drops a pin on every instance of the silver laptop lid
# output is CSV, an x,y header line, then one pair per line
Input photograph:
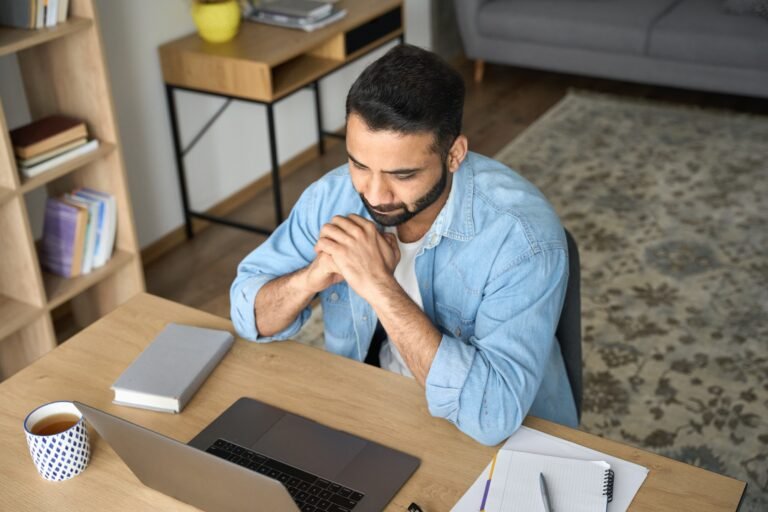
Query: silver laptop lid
x,y
186,473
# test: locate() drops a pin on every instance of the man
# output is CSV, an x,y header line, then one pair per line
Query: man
x,y
460,262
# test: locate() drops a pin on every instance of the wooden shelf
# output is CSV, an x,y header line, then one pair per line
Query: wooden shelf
x,y
63,72
61,289
104,149
14,315
17,39
5,195
297,72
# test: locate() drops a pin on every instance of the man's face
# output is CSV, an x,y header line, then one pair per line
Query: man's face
x,y
398,176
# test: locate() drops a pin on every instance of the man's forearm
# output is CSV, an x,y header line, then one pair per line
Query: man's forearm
x,y
408,328
280,301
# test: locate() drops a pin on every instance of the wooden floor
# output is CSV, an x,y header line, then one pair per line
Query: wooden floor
x,y
199,272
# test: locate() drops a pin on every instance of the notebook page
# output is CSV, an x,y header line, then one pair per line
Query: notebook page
x,y
574,485
628,475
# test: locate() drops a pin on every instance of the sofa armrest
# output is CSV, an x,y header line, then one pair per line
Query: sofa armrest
x,y
466,17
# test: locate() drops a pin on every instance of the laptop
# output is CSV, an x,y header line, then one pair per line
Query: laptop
x,y
258,457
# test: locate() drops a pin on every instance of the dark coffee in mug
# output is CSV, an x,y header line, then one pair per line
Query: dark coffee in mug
x,y
54,424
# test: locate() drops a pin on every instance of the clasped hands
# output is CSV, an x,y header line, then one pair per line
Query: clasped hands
x,y
351,249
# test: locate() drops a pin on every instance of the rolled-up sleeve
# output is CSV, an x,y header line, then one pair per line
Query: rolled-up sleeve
x,y
289,248
487,385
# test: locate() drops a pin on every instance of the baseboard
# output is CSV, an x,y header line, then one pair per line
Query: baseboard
x,y
177,236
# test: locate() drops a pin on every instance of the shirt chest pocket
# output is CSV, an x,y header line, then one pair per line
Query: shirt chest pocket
x,y
451,323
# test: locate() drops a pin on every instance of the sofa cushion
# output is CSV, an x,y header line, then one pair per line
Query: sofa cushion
x,y
618,26
702,31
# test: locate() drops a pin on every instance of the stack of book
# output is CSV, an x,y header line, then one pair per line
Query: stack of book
x,y
305,15
78,232
48,142
33,13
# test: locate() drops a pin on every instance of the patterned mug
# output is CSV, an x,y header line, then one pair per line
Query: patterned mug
x,y
57,440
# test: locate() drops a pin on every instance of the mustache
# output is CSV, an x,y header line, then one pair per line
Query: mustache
x,y
383,208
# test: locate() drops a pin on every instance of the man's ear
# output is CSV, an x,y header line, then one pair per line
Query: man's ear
x,y
457,153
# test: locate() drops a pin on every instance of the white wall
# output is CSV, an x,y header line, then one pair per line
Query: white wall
x,y
233,153
16,114
418,26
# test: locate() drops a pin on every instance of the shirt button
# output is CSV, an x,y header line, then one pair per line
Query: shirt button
x,y
334,296
365,317
457,332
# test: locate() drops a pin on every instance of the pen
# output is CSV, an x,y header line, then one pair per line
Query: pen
x,y
544,493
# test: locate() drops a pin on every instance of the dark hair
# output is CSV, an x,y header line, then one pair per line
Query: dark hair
x,y
410,90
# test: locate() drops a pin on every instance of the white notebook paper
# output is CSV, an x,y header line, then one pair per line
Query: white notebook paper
x,y
628,476
574,485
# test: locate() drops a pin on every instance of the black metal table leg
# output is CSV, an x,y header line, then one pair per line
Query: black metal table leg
x,y
319,116
179,156
275,164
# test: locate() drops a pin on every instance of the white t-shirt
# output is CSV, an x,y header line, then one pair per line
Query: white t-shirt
x,y
405,274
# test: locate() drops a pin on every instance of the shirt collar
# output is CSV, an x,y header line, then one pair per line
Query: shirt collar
x,y
455,219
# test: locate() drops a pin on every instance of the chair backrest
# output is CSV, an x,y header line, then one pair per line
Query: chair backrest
x,y
568,331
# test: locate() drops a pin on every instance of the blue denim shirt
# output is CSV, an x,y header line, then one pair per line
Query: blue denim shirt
x,y
492,276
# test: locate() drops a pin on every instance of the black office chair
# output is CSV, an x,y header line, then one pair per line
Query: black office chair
x,y
568,330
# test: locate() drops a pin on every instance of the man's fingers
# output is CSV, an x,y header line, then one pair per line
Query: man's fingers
x,y
336,233
327,261
348,225
391,239
368,226
390,250
327,245
396,250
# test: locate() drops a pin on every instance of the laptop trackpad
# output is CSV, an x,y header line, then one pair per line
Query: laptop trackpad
x,y
309,446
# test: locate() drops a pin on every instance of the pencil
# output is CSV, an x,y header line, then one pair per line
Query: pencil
x,y
488,484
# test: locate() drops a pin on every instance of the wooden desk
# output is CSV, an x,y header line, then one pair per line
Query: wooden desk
x,y
264,64
355,397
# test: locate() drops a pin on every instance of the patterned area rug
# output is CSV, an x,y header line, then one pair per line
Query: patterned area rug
x,y
669,206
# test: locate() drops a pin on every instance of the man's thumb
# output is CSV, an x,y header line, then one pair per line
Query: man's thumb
x,y
391,239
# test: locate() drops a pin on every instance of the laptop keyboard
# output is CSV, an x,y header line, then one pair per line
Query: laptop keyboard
x,y
311,493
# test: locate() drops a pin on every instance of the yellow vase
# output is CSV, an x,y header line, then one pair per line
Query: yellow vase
x,y
217,22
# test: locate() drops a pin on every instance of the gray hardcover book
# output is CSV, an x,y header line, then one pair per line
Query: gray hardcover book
x,y
17,13
171,369
299,8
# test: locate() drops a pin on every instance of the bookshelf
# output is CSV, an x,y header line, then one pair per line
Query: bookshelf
x,y
63,72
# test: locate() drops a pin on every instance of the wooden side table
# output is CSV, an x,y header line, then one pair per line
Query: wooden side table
x,y
265,64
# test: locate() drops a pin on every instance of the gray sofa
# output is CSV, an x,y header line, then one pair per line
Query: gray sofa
x,y
692,44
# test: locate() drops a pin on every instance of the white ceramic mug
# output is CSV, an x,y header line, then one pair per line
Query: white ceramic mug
x,y
63,454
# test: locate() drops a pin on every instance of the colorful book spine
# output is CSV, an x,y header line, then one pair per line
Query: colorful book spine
x,y
78,232
63,230
109,227
96,208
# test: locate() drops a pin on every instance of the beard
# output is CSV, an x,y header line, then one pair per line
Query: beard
x,y
380,212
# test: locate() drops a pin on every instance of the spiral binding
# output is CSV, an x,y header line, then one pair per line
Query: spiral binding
x,y
608,484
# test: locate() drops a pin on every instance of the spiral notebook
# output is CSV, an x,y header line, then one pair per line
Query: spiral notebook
x,y
573,484
629,477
